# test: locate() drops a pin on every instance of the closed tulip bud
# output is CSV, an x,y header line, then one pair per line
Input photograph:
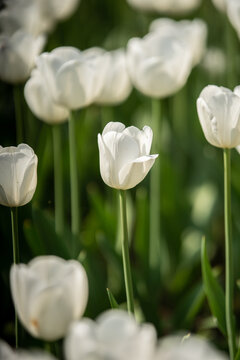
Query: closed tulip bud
x,y
74,78
17,55
188,348
18,175
219,114
49,293
124,155
192,32
159,64
114,335
40,101
117,85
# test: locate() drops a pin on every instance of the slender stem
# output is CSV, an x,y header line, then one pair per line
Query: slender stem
x,y
58,179
125,253
154,236
14,221
75,212
18,113
228,254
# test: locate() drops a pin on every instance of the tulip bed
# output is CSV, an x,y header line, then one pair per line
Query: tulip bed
x,y
126,197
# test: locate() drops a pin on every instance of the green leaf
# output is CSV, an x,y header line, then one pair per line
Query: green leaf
x,y
112,300
213,290
237,357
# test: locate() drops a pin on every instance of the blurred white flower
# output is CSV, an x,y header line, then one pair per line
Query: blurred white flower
x,y
233,12
6,353
35,16
159,64
117,85
40,101
191,347
17,55
74,78
166,6
219,114
18,175
115,335
124,155
221,5
192,32
214,61
49,293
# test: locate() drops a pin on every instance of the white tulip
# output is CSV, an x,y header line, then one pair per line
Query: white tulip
x,y
6,353
233,12
219,114
191,347
115,335
166,6
40,101
74,78
117,85
159,64
18,175
214,61
62,10
192,32
49,293
124,155
221,5
17,55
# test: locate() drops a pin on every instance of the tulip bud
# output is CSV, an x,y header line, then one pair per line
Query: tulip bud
x,y
49,293
219,114
74,78
18,175
114,335
124,155
40,101
17,55
159,64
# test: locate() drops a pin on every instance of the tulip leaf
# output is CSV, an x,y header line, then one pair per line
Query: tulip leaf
x,y
112,300
237,357
213,290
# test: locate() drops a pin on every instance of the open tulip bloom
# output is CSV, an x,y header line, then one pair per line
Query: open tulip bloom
x,y
219,115
125,160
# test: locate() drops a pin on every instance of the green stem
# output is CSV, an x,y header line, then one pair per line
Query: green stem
x,y
75,212
228,254
154,236
58,179
14,221
18,113
125,253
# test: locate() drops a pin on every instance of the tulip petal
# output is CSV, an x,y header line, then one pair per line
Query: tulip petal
x,y
113,126
134,172
143,137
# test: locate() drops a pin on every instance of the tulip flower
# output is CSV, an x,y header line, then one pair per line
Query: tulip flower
x,y
48,294
192,33
221,5
6,353
114,335
219,114
117,85
124,155
18,175
233,12
166,6
17,55
39,100
124,162
188,348
74,78
159,64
